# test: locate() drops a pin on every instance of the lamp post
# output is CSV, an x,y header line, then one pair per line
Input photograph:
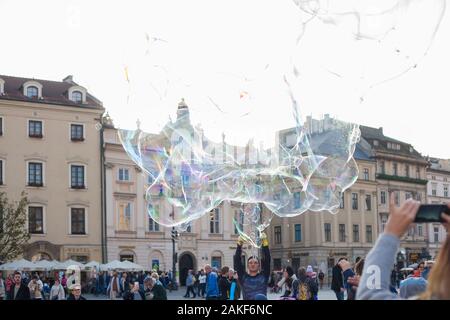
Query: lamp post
x,y
174,258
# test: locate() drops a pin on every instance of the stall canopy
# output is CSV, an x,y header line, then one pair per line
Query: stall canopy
x,y
21,265
46,265
92,264
113,265
133,266
68,265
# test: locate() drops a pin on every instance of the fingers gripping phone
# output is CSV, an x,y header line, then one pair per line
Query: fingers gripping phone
x,y
431,213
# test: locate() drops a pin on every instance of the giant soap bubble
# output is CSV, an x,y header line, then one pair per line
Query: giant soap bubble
x,y
223,121
365,42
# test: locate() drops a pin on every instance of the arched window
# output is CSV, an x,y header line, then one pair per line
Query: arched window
x,y
77,97
32,92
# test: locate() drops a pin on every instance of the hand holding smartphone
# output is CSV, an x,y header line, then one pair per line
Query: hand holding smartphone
x,y
431,213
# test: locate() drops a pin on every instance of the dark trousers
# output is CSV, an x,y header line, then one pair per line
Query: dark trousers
x,y
201,289
189,289
339,295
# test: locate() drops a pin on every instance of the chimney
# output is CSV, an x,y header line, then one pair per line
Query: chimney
x,y
68,79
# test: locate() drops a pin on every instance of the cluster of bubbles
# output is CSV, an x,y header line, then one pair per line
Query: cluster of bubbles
x,y
250,145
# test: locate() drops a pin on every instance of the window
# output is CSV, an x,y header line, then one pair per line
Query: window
x,y
354,201
189,227
419,197
125,216
216,262
277,232
32,92
355,233
408,195
77,96
383,197
395,169
153,226
35,174
369,234
35,129
368,202
81,259
297,202
1,172
124,174
127,257
407,171
397,197
77,221
445,179
420,230
434,189
433,177
277,264
214,221
366,174
445,190
77,177
342,232
1,126
342,200
436,234
298,233
418,172
376,143
383,222
327,227
238,221
36,220
185,180
382,167
76,132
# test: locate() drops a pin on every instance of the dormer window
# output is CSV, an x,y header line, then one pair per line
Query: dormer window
x,y
77,94
32,89
77,97
376,143
2,87
32,92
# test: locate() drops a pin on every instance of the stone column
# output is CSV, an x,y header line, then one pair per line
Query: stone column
x,y
141,212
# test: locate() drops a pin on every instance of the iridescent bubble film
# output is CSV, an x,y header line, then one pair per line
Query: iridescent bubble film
x,y
234,129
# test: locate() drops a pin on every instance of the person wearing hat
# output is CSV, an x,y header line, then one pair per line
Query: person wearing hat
x,y
255,281
76,293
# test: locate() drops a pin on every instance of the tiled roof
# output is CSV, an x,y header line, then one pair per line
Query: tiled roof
x,y
371,134
53,92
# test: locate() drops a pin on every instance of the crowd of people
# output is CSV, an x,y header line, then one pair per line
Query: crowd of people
x,y
115,285
371,278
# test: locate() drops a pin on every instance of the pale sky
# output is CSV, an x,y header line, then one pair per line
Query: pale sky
x,y
213,45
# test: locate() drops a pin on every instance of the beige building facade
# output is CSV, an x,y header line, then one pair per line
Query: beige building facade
x,y
438,189
50,148
401,173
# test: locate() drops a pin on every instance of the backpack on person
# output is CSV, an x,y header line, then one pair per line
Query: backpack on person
x,y
304,292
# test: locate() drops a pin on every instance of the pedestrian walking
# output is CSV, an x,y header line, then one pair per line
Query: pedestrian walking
x,y
190,285
18,290
212,285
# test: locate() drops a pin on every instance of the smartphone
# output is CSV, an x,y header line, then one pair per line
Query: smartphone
x,y
431,213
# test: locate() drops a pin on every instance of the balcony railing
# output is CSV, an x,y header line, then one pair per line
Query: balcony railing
x,y
35,135
384,176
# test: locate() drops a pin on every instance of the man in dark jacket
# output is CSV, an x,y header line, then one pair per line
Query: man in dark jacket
x,y
337,282
224,285
18,291
255,281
